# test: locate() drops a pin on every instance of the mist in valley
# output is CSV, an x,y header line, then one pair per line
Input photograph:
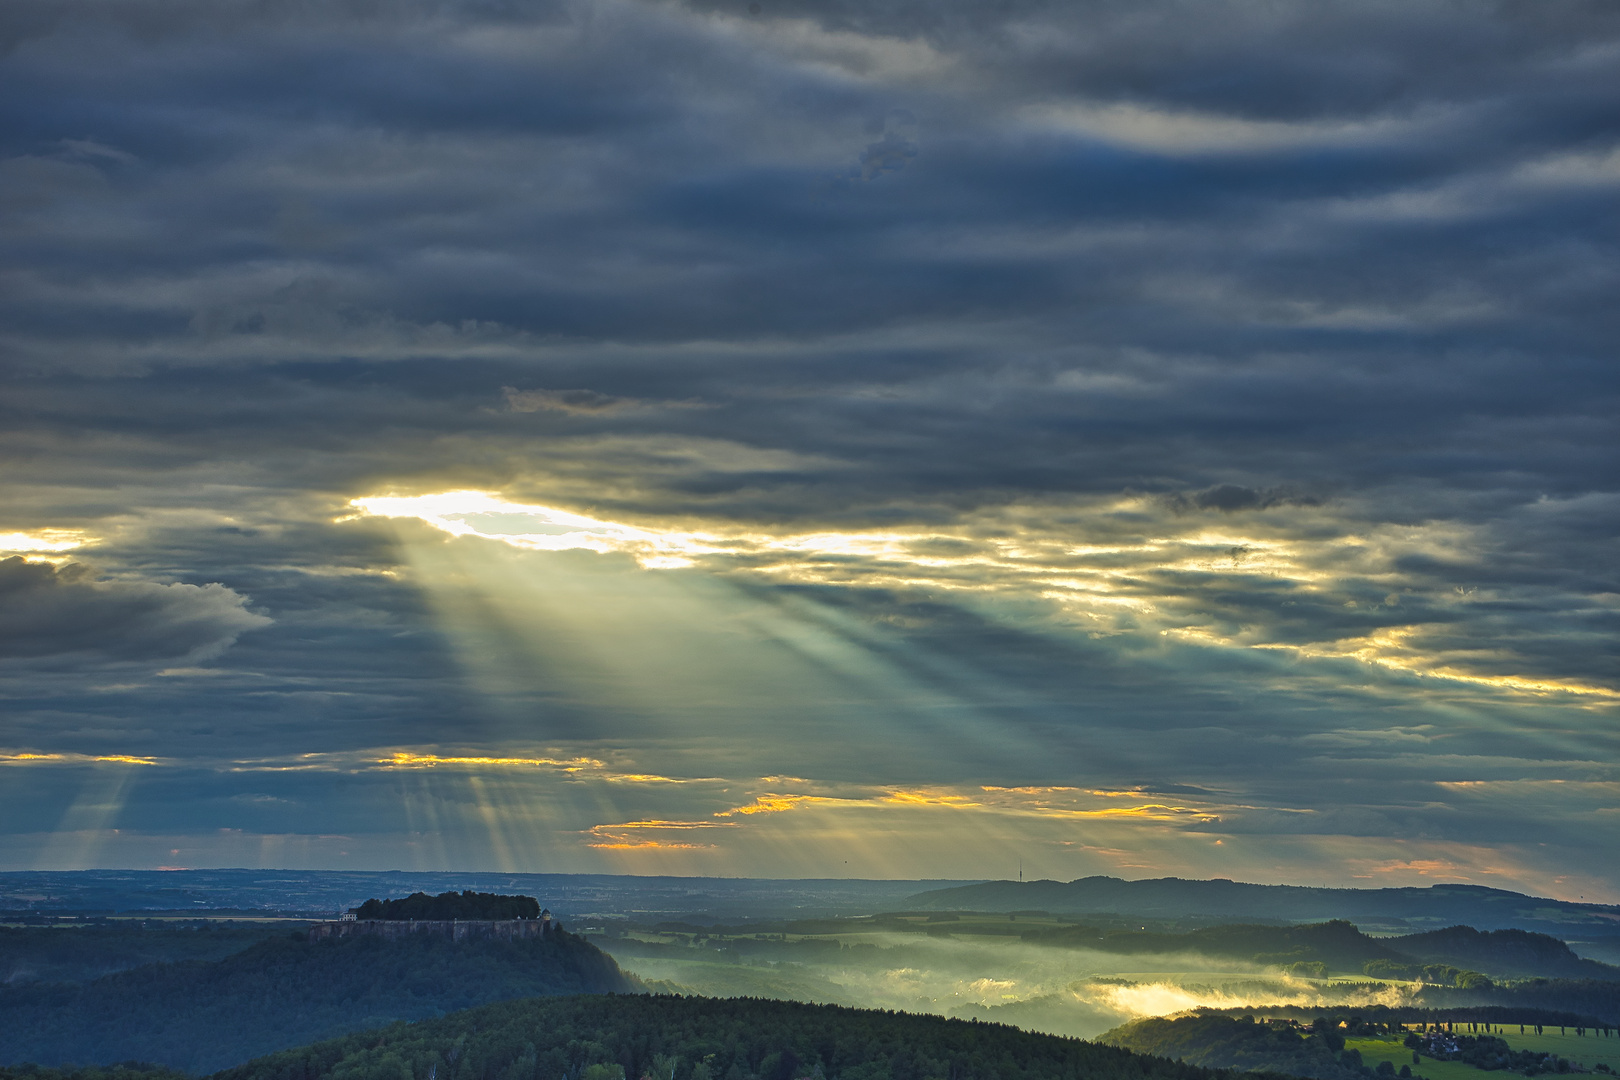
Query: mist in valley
x,y
1061,991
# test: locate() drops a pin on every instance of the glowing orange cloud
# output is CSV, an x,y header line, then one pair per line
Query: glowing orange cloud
x,y
73,759
775,804
655,824
403,760
927,798
611,838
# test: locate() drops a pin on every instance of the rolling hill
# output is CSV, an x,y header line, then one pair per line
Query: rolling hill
x,y
1340,947
1394,909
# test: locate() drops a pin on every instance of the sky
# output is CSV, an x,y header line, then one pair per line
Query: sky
x,y
899,438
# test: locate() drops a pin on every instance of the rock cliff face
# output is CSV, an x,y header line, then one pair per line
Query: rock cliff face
x,y
455,929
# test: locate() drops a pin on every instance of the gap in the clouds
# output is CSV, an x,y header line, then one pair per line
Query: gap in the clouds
x,y
680,648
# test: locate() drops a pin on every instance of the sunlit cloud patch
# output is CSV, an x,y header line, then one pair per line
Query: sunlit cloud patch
x,y
540,528
57,758
44,542
1159,582
401,759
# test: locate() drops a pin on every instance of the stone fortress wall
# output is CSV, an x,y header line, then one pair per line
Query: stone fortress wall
x,y
455,929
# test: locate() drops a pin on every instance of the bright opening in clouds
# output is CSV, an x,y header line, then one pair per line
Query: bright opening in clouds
x,y
538,528
44,542
815,440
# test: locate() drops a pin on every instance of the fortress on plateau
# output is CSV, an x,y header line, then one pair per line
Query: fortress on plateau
x,y
459,916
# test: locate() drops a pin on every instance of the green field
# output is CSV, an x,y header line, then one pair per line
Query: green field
x,y
1583,1052
1375,1050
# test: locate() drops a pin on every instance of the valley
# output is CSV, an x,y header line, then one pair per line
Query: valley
x,y
1322,1000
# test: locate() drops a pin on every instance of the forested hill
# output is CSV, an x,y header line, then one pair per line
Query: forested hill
x,y
676,1038
1224,1042
286,992
1510,953
46,954
1173,898
1338,946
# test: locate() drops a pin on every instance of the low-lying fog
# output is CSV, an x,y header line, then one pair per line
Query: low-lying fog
x,y
1041,988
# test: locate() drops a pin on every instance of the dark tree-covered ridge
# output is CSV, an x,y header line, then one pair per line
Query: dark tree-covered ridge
x,y
129,1070
92,949
285,992
637,1037
452,905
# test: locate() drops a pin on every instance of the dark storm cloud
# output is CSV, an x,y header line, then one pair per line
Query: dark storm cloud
x,y
580,401
56,612
1289,327
1229,498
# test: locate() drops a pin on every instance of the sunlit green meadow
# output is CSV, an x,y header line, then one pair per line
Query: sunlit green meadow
x,y
1374,1050
1583,1051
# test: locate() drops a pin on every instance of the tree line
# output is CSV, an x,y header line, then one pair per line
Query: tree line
x,y
451,905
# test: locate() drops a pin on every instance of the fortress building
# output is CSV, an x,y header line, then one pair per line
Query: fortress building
x,y
373,919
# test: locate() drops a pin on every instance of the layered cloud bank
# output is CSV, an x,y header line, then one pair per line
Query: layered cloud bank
x,y
825,439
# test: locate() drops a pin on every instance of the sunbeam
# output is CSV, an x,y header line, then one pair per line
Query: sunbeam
x,y
82,833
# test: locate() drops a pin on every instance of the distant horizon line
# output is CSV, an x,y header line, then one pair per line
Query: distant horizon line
x,y
721,877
